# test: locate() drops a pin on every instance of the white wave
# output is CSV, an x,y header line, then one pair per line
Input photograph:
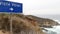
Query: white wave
x,y
56,20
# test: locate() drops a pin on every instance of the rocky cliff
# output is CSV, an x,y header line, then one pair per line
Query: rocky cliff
x,y
44,22
24,24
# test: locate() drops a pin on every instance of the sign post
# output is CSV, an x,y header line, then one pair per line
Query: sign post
x,y
10,7
7,6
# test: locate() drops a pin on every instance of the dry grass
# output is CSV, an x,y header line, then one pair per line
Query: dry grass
x,y
20,24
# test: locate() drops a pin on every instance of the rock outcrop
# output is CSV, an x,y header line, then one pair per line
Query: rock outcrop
x,y
24,24
44,22
20,23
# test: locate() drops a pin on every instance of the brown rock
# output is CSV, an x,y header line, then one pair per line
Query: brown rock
x,y
20,23
43,22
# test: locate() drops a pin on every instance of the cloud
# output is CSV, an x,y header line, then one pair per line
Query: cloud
x,y
40,6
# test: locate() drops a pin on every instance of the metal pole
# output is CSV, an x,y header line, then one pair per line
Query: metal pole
x,y
11,24
11,32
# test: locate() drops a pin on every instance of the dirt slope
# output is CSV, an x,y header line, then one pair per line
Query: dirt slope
x,y
20,23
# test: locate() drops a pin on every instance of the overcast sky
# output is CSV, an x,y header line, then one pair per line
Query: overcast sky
x,y
40,6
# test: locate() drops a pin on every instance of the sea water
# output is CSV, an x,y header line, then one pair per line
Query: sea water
x,y
55,29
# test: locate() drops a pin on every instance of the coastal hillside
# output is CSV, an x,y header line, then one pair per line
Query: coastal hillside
x,y
23,24
44,22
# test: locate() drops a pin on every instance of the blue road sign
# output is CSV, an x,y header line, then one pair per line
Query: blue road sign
x,y
7,6
2,0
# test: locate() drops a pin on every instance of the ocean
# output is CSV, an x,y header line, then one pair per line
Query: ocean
x,y
55,29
